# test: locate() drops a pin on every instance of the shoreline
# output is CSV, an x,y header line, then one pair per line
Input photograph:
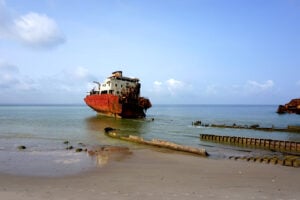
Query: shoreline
x,y
150,174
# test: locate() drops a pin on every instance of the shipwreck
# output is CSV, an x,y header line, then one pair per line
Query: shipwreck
x,y
118,96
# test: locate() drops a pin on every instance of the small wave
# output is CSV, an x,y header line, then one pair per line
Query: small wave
x,y
67,161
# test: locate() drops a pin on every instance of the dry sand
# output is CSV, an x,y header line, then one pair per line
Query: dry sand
x,y
149,174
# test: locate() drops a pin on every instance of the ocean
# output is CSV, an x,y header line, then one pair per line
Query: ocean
x,y
44,128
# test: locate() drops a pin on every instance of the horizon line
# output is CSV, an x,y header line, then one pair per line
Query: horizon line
x,y
157,104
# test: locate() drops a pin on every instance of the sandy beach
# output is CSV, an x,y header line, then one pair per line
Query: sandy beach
x,y
149,174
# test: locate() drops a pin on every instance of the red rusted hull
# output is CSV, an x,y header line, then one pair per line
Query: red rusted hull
x,y
111,105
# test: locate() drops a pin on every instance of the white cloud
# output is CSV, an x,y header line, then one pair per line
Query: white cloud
x,y
10,78
81,73
6,67
172,83
6,80
8,75
68,86
157,83
170,86
211,89
256,86
77,80
38,30
157,86
72,79
32,29
174,86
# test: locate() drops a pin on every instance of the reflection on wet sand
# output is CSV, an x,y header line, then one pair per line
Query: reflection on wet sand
x,y
96,125
100,122
105,149
105,154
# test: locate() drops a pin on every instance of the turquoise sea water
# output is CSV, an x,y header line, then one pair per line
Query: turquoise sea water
x,y
43,128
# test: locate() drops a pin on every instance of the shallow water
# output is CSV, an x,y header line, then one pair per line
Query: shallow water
x,y
42,129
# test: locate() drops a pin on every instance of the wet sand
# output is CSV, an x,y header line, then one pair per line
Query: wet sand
x,y
148,174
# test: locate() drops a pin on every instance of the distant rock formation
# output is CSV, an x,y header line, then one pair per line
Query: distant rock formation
x,y
292,107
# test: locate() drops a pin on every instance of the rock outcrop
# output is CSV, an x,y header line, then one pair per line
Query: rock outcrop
x,y
292,107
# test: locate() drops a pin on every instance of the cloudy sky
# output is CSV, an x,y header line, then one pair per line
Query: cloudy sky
x,y
183,51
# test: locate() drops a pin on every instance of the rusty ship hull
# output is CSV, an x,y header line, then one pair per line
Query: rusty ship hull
x,y
114,106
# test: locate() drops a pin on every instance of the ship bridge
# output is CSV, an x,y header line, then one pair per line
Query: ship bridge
x,y
119,85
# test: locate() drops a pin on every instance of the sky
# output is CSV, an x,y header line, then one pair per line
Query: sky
x,y
183,51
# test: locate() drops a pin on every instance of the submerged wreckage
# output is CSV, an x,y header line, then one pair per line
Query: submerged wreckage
x,y
118,96
155,142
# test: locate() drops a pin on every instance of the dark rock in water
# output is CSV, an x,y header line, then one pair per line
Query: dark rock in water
x,y
69,147
22,147
66,142
108,129
197,123
78,150
81,144
254,126
292,107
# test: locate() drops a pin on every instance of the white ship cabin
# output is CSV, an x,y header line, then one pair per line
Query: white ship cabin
x,y
117,84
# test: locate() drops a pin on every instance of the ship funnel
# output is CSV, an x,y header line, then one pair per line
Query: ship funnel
x,y
117,74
